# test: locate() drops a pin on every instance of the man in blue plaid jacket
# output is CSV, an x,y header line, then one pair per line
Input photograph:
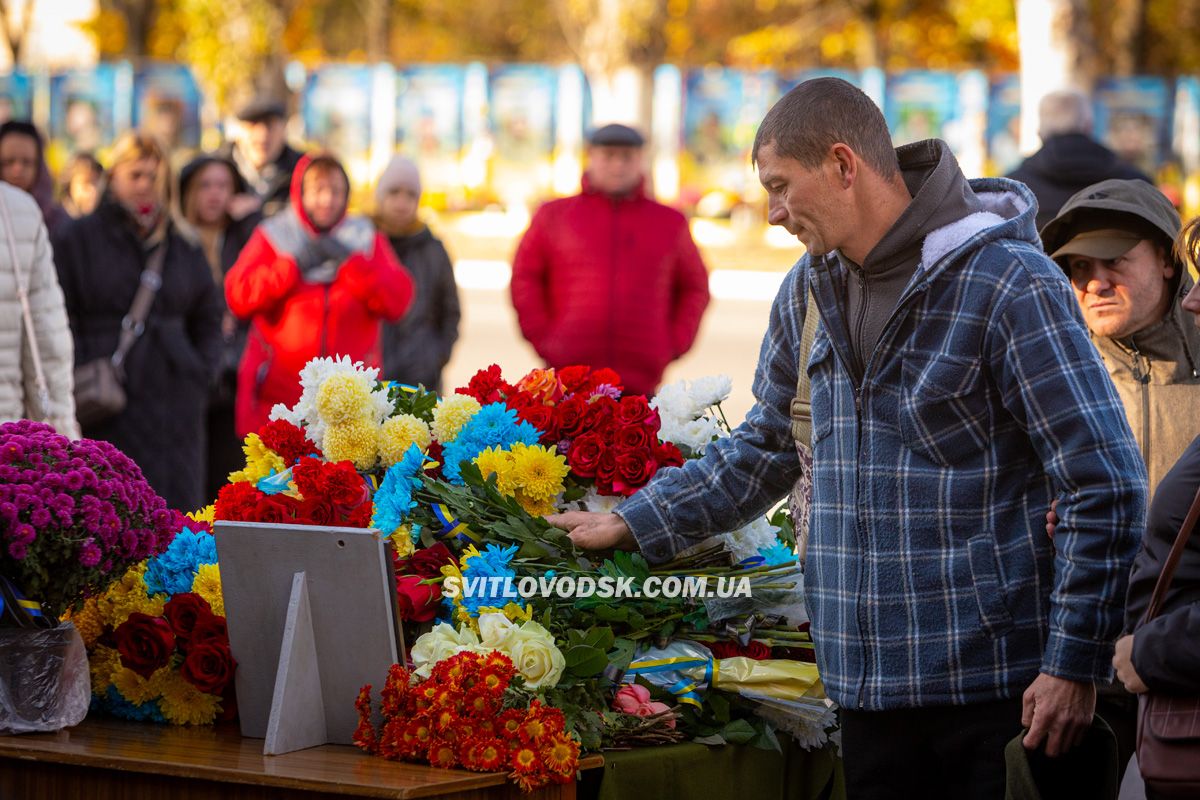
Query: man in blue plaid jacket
x,y
955,395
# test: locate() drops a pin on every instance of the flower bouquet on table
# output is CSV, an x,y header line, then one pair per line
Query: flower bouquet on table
x,y
460,484
156,639
73,516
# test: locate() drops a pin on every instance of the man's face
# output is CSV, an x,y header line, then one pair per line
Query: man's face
x,y
324,193
212,193
19,161
1124,295
800,200
614,170
264,141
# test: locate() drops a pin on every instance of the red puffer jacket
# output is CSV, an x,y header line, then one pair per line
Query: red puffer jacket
x,y
294,320
610,282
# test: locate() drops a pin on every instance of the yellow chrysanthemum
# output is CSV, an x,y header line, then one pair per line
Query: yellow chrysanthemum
x,y
534,506
343,398
104,663
207,584
184,704
471,551
260,462
451,414
402,542
138,690
399,433
513,611
538,471
499,462
206,514
128,595
88,621
354,441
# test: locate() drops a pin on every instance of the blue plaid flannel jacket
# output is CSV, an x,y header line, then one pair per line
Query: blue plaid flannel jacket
x,y
930,579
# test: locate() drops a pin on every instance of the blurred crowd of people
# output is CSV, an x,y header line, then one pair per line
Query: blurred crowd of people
x,y
209,290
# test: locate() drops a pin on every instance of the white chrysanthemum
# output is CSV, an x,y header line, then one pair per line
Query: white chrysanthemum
x,y
710,390
747,541
808,722
603,504
673,401
314,373
695,434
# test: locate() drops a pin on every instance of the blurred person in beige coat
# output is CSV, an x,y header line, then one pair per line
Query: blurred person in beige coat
x,y
19,393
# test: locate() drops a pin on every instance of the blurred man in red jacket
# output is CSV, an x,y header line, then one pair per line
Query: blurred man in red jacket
x,y
608,277
313,282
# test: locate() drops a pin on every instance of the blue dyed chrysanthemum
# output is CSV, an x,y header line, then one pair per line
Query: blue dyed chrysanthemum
x,y
777,554
492,562
173,571
393,500
495,425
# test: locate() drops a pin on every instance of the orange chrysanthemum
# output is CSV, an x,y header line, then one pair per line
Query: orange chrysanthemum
x,y
510,722
561,754
395,691
364,735
490,754
441,754
526,760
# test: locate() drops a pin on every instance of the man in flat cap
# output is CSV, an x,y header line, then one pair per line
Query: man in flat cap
x,y
609,277
1114,239
263,157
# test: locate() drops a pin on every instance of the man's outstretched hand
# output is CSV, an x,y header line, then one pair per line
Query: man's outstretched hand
x,y
590,530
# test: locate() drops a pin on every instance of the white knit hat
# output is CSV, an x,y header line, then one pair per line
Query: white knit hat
x,y
400,173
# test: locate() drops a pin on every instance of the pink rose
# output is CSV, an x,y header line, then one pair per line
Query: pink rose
x,y
630,698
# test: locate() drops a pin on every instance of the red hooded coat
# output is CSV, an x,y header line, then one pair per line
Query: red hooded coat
x,y
293,320
610,282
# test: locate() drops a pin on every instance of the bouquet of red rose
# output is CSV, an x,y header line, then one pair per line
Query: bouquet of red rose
x,y
157,643
468,713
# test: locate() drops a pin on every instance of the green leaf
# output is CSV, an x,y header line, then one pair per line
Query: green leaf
x,y
621,653
584,661
739,731
766,738
715,739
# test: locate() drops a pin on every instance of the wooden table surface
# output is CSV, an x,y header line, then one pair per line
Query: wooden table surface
x,y
220,755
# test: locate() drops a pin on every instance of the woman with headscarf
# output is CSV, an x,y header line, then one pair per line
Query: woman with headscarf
x,y
207,186
23,164
102,259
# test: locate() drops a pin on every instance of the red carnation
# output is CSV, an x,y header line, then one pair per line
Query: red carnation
x,y
145,643
289,442
343,485
487,386
209,667
236,501
606,377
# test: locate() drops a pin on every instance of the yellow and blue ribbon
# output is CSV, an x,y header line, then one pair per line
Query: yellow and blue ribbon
x,y
686,690
452,527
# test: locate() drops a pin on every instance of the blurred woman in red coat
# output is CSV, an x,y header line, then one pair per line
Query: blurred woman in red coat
x,y
312,282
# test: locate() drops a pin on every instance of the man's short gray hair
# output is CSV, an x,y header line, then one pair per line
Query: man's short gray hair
x,y
1064,111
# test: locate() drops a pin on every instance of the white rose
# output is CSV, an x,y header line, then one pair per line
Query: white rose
x,y
494,631
533,652
439,644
